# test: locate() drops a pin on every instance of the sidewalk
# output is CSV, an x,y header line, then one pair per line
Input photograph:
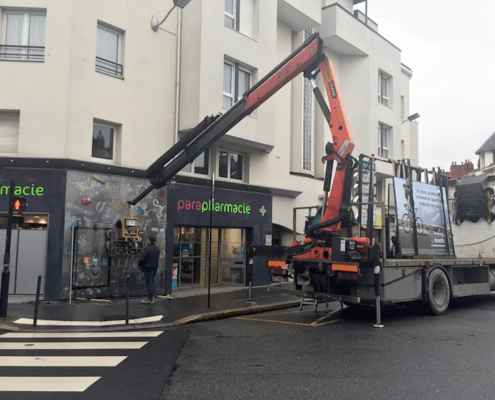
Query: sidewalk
x,y
185,306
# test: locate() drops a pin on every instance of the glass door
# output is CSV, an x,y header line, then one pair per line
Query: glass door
x,y
233,256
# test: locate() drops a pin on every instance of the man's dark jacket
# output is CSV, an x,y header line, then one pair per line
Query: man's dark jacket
x,y
149,259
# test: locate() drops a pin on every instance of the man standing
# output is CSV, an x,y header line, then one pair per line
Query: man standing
x,y
148,263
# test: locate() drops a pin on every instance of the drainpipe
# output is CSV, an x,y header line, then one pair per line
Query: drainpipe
x,y
177,74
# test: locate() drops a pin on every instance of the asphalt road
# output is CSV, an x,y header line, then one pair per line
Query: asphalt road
x,y
291,354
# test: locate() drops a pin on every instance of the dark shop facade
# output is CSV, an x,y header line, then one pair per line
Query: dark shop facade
x,y
84,239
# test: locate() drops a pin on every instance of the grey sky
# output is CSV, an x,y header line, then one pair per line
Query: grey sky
x,y
449,45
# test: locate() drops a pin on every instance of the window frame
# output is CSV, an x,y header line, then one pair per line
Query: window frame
x,y
234,16
236,68
192,167
25,47
230,153
381,147
115,130
120,46
384,99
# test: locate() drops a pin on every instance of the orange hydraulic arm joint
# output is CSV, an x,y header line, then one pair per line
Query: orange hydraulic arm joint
x,y
339,152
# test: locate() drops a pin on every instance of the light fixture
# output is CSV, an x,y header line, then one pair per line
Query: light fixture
x,y
154,19
411,118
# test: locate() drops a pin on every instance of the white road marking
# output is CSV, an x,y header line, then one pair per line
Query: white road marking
x,y
47,322
56,335
46,384
71,345
110,361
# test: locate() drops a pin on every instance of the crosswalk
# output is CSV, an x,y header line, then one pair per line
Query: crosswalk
x,y
44,352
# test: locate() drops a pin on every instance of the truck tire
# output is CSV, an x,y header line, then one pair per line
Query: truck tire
x,y
438,292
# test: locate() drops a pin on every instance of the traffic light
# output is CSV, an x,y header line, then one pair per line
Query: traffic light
x,y
19,204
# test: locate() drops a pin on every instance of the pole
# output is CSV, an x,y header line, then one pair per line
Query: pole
x,y
127,289
37,303
4,295
71,262
212,207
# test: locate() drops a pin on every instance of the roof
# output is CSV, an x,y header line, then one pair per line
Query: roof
x,y
488,145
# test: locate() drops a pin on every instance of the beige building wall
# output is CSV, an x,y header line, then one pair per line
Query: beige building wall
x,y
59,98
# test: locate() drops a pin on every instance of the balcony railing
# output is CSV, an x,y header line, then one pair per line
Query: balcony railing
x,y
109,67
26,53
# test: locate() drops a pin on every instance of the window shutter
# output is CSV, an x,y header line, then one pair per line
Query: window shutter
x,y
9,131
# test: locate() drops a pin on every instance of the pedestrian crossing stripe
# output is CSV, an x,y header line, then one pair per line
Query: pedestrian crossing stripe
x,y
71,345
62,383
46,383
48,322
62,361
58,335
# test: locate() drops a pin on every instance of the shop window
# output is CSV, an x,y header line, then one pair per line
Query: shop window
x,y
236,81
23,35
200,165
104,143
9,131
109,51
230,165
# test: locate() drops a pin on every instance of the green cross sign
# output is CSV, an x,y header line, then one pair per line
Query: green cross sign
x,y
263,211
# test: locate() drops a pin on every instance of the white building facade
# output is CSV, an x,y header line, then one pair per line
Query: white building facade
x,y
91,94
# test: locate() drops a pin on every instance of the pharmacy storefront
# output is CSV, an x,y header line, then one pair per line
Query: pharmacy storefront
x,y
237,219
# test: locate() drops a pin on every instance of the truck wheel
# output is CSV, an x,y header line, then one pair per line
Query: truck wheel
x,y
438,292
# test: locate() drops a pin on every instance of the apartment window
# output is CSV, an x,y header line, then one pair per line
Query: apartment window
x,y
236,81
307,120
23,35
239,15
9,131
384,86
104,139
109,51
230,165
383,140
200,165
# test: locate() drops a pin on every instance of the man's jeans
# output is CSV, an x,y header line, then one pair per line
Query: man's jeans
x,y
149,279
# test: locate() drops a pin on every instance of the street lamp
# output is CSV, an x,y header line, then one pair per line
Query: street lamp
x,y
411,118
154,19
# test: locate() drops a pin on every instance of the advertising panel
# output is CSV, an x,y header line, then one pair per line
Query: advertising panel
x,y
428,220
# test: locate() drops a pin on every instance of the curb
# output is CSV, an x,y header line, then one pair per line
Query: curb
x,y
210,316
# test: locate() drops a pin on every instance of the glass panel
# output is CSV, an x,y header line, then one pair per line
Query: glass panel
x,y
223,164
13,36
36,36
229,21
244,82
229,6
201,164
107,45
102,142
227,78
236,166
227,102
384,137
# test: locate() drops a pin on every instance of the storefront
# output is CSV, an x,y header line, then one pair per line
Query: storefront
x,y
238,219
84,239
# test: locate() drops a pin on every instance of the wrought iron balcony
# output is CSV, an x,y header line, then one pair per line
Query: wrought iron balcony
x,y
26,53
109,67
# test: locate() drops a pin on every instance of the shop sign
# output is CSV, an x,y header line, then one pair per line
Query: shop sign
x,y
28,190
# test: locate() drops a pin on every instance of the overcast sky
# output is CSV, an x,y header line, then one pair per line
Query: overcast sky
x,y
450,47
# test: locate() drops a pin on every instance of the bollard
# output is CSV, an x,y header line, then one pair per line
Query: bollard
x,y
127,285
377,294
37,303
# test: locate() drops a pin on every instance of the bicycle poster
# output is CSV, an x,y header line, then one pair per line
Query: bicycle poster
x,y
427,221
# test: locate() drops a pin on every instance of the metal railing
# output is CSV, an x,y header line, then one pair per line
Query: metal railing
x,y
109,67
26,53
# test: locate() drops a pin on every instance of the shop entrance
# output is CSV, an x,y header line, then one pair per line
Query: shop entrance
x,y
232,256
191,252
27,251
